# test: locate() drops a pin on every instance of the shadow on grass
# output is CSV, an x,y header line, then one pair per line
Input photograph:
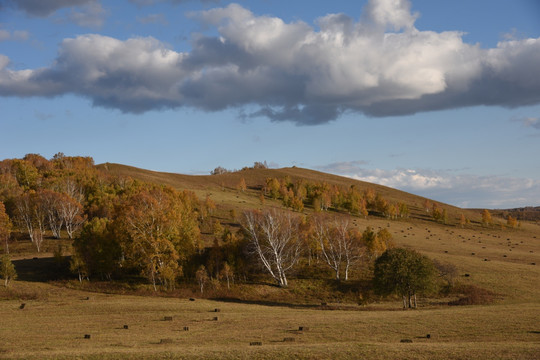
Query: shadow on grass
x,y
266,303
42,269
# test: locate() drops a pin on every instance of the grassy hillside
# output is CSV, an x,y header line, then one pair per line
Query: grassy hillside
x,y
222,188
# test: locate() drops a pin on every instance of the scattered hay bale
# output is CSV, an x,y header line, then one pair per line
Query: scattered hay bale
x,y
289,339
167,318
255,343
405,341
22,306
87,336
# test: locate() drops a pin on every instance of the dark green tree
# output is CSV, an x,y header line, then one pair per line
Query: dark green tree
x,y
97,251
404,272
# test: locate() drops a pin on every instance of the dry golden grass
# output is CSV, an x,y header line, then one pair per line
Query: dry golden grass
x,y
56,327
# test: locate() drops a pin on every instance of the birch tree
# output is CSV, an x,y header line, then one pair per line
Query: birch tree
x,y
51,201
159,230
273,238
71,212
330,248
32,215
341,246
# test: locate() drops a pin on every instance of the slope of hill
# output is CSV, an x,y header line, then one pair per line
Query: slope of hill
x,y
222,188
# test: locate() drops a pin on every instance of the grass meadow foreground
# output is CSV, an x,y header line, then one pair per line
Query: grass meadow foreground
x,y
58,322
55,319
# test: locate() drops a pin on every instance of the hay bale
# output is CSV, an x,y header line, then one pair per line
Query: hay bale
x,y
186,328
255,343
191,299
217,310
428,336
87,336
126,327
167,318
289,339
303,328
22,306
165,341
215,318
406,341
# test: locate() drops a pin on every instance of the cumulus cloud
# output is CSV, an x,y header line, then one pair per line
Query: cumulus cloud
x,y
464,190
380,65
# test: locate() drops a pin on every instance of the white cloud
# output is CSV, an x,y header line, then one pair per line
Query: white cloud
x,y
381,65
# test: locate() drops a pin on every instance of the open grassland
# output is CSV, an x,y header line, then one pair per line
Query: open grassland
x,y
55,325
503,261
55,320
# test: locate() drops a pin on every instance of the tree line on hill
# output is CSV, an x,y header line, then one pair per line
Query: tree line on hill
x,y
121,227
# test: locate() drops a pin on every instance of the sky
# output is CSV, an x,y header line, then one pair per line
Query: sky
x,y
438,98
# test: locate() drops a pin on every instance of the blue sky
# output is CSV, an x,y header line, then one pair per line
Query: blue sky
x,y
438,98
